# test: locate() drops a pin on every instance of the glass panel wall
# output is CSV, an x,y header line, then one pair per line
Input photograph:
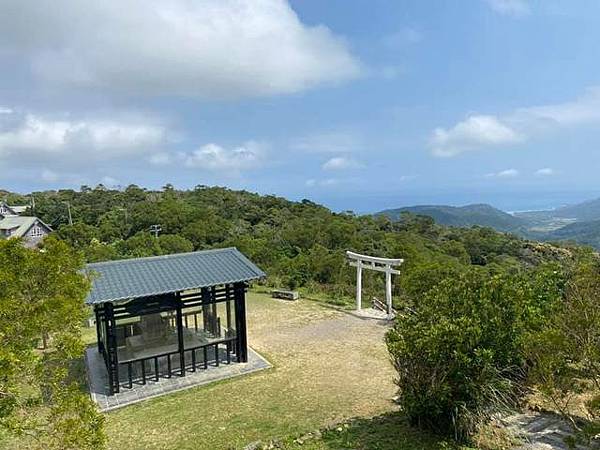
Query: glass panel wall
x,y
147,335
210,323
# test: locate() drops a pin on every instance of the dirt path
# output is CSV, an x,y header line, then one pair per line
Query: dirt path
x,y
321,349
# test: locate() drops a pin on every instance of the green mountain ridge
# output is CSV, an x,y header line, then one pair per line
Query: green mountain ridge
x,y
579,223
463,216
586,211
587,233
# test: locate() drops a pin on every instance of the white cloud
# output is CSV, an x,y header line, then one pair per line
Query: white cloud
x,y
210,48
61,178
4,110
508,173
471,134
327,182
515,8
49,176
109,181
483,131
341,163
30,137
328,142
160,159
545,172
583,110
213,157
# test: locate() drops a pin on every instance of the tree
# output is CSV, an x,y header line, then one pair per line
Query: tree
x,y
78,235
42,293
565,354
173,243
141,245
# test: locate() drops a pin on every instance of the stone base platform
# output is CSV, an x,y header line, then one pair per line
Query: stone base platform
x,y
371,313
98,380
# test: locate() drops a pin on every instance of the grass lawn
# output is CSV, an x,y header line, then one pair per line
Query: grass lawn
x,y
328,366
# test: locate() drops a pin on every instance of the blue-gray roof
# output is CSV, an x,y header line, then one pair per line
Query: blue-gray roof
x,y
144,277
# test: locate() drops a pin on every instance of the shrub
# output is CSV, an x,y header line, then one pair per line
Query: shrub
x,y
459,351
565,355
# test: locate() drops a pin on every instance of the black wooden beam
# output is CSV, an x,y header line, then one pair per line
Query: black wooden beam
x,y
98,337
111,349
240,322
205,310
180,336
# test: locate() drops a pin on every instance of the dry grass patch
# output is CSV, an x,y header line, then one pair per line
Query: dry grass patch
x,y
328,366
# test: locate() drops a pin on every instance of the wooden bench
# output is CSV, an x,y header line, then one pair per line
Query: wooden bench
x,y
285,295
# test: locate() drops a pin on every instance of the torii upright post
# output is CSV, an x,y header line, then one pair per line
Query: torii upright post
x,y
379,264
358,286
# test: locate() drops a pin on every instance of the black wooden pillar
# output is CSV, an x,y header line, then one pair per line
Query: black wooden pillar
x,y
240,322
205,310
112,358
180,340
228,296
214,327
99,338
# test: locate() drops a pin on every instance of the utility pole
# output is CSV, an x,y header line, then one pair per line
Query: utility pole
x,y
155,229
69,211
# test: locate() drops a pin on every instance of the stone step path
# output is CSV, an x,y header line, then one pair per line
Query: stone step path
x,y
540,431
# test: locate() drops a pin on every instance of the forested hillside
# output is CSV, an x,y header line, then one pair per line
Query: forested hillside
x,y
463,216
299,244
579,223
586,233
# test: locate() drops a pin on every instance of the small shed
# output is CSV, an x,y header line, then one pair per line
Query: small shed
x,y
167,315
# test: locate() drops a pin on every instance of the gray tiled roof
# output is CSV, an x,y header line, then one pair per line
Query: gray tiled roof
x,y
20,224
144,277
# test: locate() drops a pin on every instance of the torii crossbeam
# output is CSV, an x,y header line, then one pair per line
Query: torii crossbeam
x,y
385,265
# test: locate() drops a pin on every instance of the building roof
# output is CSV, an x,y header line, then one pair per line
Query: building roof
x,y
8,210
19,209
145,277
21,223
13,210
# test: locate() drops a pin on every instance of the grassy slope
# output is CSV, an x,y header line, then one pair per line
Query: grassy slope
x,y
324,371
328,367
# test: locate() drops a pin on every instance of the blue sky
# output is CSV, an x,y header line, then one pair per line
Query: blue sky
x,y
360,105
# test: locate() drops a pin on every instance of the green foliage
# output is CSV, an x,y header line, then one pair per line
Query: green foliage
x,y
474,302
463,216
41,298
565,354
458,346
299,244
78,235
173,243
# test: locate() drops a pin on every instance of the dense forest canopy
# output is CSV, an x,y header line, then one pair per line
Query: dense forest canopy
x,y
299,244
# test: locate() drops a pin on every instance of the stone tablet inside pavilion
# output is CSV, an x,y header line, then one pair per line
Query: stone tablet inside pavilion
x,y
166,316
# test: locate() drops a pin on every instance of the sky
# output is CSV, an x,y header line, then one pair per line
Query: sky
x,y
360,105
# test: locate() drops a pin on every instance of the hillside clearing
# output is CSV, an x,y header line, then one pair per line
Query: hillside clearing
x,y
328,366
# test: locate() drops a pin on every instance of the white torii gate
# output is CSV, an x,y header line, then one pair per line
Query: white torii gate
x,y
373,263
